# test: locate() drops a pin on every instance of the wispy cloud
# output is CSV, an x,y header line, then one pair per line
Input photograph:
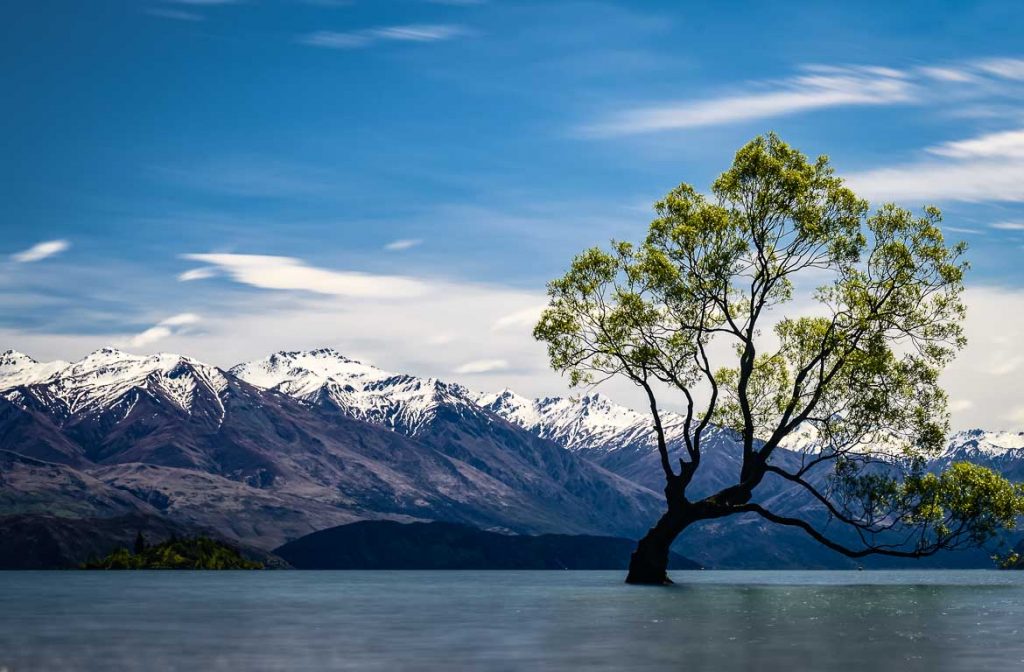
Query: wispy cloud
x,y
821,88
959,85
201,273
288,273
1007,68
175,14
988,167
41,251
482,366
403,244
1005,144
359,39
163,329
521,319
1009,226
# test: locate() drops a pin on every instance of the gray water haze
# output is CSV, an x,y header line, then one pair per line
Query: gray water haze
x,y
711,620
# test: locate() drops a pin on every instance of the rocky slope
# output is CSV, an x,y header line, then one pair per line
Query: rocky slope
x,y
205,447
276,448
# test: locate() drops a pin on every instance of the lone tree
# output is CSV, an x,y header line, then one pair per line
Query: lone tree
x,y
859,369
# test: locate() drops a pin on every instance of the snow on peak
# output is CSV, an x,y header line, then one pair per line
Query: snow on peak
x,y
591,422
301,373
363,391
513,407
17,368
103,376
981,443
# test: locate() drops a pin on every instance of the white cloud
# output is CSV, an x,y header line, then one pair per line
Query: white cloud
x,y
201,273
822,88
947,74
972,181
960,405
162,330
1009,226
403,244
984,371
41,251
1007,68
287,273
963,229
1004,363
1015,416
482,366
520,320
1005,144
988,167
364,38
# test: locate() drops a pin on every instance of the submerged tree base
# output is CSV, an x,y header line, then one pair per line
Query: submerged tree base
x,y
648,580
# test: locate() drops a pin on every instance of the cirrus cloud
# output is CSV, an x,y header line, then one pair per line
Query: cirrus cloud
x,y
359,39
482,366
289,273
162,330
41,251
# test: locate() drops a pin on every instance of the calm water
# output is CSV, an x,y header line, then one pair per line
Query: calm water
x,y
289,620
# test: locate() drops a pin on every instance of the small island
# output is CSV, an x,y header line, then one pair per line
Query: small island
x,y
176,553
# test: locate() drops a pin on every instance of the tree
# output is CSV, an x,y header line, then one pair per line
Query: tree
x,y
859,368
140,543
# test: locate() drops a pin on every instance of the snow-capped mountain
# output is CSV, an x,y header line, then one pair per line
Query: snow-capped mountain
x,y
102,380
397,401
298,441
333,441
592,423
442,415
17,368
978,443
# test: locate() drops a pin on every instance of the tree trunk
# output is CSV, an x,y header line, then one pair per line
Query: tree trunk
x,y
649,562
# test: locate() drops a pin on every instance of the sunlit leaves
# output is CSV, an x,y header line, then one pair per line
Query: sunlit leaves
x,y
861,367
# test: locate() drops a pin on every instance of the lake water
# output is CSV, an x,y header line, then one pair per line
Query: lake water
x,y
721,621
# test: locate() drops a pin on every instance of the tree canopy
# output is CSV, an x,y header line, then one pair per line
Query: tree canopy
x,y
778,304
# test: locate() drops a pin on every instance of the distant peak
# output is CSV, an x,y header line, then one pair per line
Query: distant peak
x,y
316,353
15,356
107,351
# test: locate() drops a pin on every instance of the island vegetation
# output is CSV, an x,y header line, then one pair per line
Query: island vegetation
x,y
777,304
176,553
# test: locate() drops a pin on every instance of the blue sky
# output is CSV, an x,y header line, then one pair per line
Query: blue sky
x,y
398,179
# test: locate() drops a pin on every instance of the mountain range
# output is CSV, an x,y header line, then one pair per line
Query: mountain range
x,y
271,450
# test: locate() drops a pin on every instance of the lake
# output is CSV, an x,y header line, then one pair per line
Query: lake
x,y
722,621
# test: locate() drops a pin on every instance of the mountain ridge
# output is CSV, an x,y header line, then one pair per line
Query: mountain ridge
x,y
278,447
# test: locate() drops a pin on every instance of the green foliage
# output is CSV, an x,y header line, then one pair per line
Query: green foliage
x,y
880,316
188,553
966,503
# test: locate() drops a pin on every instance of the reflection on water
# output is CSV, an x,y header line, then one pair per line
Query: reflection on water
x,y
722,621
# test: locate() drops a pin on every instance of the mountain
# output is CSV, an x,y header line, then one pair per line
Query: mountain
x,y
1001,451
622,440
447,418
17,368
391,545
274,449
204,447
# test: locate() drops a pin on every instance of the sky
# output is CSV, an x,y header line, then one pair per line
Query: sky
x,y
399,179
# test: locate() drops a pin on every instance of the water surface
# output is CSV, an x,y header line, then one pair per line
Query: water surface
x,y
722,621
